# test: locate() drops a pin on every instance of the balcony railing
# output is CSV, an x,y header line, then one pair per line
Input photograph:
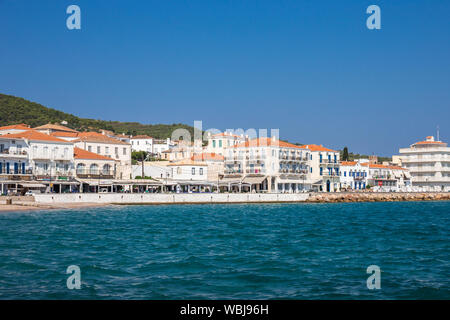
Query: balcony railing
x,y
95,174
11,171
7,152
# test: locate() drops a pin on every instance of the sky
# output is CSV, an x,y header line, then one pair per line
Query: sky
x,y
311,69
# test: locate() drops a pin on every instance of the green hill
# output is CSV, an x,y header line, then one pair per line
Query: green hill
x,y
14,110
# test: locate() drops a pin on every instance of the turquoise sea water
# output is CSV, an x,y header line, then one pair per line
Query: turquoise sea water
x,y
270,251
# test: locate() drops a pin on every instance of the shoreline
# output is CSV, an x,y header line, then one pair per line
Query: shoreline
x,y
75,201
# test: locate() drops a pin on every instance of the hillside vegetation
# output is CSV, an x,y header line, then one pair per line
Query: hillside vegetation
x,y
14,110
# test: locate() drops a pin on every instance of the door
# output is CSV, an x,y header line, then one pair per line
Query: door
x,y
16,168
328,186
23,167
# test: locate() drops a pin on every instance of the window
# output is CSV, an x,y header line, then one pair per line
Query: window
x,y
335,158
214,143
93,169
321,171
98,150
320,160
80,168
345,173
124,151
220,143
116,150
201,171
89,148
106,169
107,150
193,171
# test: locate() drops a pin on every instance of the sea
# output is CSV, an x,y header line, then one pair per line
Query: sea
x,y
233,251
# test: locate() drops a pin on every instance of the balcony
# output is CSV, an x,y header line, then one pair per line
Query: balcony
x,y
6,153
95,174
431,179
255,171
285,171
326,162
12,174
425,159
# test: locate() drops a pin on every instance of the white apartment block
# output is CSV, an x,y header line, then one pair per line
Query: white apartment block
x,y
323,166
429,164
266,165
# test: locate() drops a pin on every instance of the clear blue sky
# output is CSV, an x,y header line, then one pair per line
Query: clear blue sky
x,y
310,68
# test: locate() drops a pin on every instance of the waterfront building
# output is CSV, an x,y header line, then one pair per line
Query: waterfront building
x,y
429,164
266,165
46,158
387,178
14,165
323,166
217,143
109,147
92,169
353,174
189,176
215,163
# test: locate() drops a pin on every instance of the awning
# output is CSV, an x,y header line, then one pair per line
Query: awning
x,y
253,180
397,174
32,185
407,174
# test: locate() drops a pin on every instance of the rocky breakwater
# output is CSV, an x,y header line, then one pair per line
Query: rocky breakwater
x,y
378,196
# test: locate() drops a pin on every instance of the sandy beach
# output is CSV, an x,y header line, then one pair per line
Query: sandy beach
x,y
39,206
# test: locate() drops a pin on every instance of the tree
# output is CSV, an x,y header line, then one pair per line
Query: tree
x,y
345,154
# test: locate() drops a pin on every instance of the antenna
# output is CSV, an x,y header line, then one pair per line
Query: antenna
x,y
438,133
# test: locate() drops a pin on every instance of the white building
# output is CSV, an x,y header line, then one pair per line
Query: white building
x,y
161,145
14,154
429,164
266,165
48,158
109,147
142,143
353,174
323,168
189,170
215,163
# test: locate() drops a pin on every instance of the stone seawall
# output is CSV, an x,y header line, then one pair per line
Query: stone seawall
x,y
378,196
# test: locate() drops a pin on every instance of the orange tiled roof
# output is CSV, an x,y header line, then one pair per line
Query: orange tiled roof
x,y
207,156
265,142
429,142
64,134
315,147
33,135
55,127
348,163
382,166
226,134
84,154
21,126
97,137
